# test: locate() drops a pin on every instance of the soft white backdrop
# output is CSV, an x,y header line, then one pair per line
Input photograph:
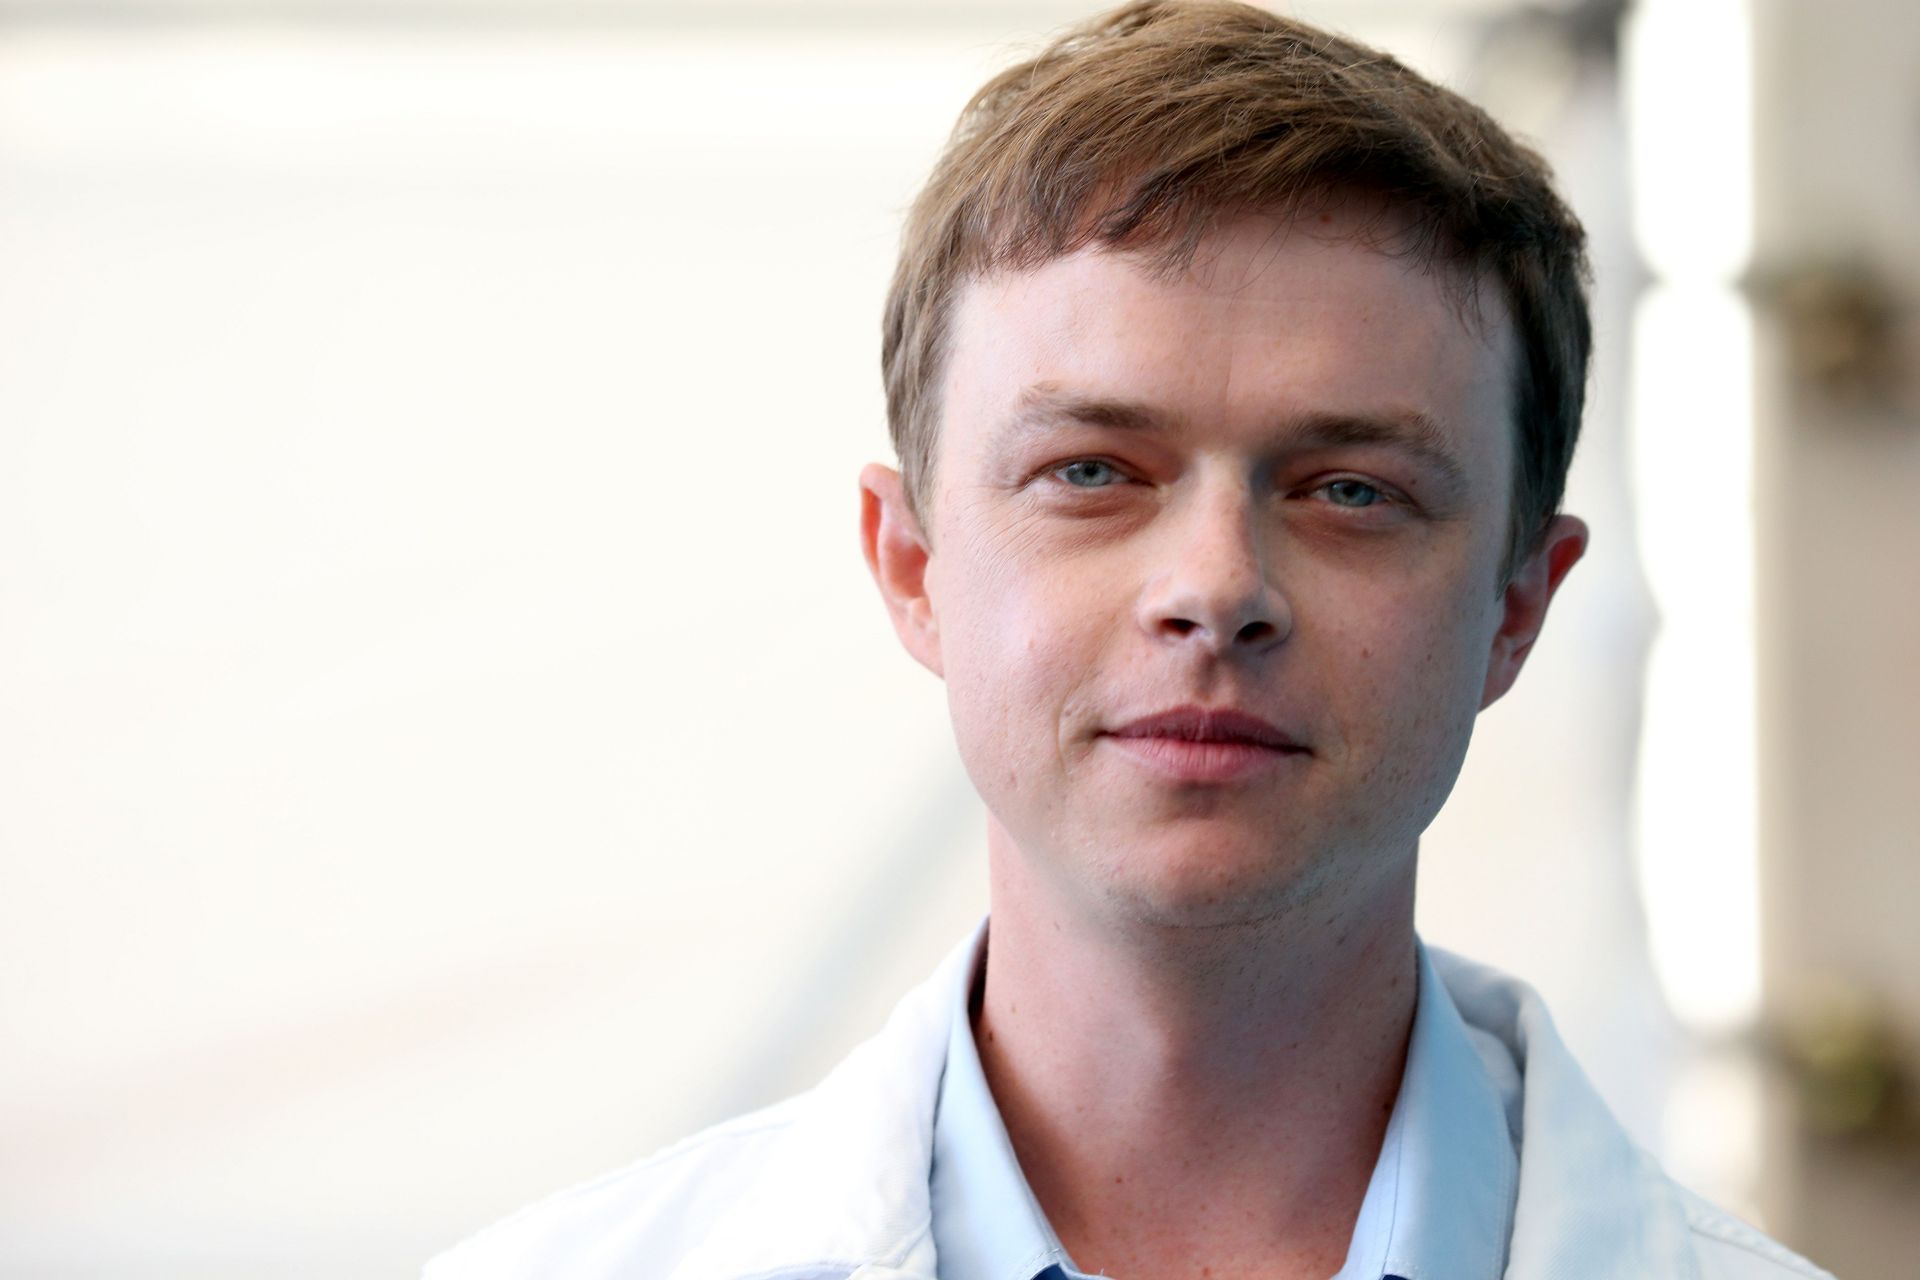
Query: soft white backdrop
x,y
448,742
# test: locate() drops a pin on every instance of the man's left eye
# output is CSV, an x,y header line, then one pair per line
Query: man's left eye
x,y
1353,493
1088,473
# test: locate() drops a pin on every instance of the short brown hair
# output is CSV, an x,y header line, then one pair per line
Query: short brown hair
x,y
1142,127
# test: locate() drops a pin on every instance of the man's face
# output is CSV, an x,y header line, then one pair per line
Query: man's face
x,y
1275,485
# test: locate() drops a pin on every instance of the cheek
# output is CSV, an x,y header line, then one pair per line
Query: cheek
x,y
1418,664
1015,646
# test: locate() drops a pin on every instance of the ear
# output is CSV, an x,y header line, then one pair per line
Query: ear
x,y
1524,604
898,554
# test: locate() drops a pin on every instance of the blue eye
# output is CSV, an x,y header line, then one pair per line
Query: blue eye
x,y
1362,493
1088,473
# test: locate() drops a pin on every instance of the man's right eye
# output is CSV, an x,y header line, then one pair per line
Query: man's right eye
x,y
1088,473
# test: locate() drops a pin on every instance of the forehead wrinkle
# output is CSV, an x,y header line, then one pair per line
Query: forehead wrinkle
x,y
1044,406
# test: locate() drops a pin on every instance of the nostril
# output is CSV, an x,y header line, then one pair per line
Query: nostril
x,y
1256,631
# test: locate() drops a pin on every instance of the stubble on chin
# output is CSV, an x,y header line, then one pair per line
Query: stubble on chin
x,y
1191,886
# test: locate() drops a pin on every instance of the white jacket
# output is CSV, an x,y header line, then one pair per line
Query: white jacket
x,y
832,1184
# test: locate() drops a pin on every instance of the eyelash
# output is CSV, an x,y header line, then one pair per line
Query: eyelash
x,y
1383,496
1081,462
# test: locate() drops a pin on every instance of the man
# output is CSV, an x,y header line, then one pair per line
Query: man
x,y
1235,372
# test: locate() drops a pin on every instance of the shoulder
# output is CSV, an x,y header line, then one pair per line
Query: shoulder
x,y
1730,1249
820,1183
1590,1197
656,1208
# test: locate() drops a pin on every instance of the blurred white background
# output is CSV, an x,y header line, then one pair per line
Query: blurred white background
x,y
449,745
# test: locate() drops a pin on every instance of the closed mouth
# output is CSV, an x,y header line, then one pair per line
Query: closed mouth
x,y
1224,725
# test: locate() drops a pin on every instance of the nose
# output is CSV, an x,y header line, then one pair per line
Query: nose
x,y
1211,586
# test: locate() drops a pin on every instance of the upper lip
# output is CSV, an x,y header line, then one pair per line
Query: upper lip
x,y
1208,724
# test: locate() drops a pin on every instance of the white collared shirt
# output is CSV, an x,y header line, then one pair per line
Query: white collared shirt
x,y
836,1183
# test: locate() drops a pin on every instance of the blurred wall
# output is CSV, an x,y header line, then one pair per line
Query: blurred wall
x,y
1837,281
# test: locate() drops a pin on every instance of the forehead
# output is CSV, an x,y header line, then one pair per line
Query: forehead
x,y
1277,324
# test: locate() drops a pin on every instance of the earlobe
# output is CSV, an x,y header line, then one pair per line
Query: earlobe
x,y
1524,604
898,555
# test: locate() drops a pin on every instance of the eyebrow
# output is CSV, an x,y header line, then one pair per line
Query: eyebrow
x,y
1045,407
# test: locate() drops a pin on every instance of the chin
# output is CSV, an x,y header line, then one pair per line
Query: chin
x,y
1203,890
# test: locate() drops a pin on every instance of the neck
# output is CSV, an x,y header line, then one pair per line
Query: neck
x,y
1186,1097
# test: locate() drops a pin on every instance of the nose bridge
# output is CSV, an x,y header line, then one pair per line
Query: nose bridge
x,y
1215,584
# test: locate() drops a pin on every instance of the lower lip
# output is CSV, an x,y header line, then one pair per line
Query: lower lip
x,y
1187,761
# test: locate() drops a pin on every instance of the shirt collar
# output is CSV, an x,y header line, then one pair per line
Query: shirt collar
x,y
1439,1204
1441,1199
986,1223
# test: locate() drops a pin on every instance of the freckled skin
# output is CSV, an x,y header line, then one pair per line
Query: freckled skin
x,y
1053,607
